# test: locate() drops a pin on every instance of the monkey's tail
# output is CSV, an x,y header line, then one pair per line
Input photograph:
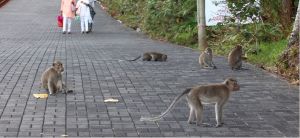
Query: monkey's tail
x,y
169,108
130,59
135,58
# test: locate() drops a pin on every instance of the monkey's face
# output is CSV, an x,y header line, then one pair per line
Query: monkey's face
x,y
208,51
58,66
238,47
232,84
164,58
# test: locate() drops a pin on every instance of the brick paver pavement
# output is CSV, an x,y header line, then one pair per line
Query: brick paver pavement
x,y
30,41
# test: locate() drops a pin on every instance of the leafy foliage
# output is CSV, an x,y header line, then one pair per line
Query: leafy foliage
x,y
244,10
173,20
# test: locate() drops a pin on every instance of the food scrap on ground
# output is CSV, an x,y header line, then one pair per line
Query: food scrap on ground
x,y
111,100
40,95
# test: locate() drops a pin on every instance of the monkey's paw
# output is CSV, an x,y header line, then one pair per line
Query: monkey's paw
x,y
70,91
191,122
203,124
219,125
52,94
207,125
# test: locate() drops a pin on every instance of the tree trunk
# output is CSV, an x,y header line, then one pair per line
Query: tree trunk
x,y
202,43
288,64
294,36
286,13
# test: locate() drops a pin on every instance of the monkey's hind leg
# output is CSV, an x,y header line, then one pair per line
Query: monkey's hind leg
x,y
60,86
198,107
237,65
191,119
51,88
209,65
213,65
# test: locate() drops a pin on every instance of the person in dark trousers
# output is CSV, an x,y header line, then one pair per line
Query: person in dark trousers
x,y
91,6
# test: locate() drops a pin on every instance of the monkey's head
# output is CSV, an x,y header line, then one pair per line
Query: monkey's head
x,y
208,51
58,66
232,84
239,47
164,57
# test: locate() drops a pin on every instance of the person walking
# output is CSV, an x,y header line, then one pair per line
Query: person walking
x,y
67,9
92,12
84,12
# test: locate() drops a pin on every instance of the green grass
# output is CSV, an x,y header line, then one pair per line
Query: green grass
x,y
268,54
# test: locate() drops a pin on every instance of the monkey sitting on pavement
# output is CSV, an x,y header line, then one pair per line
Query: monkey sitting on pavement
x,y
235,58
217,94
52,79
155,56
205,59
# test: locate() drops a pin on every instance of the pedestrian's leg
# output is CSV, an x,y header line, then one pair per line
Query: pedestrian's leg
x,y
64,24
69,25
91,27
82,24
86,23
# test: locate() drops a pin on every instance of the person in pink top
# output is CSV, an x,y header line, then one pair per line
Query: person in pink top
x,y
67,9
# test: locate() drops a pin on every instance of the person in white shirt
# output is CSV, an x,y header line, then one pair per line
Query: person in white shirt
x,y
84,12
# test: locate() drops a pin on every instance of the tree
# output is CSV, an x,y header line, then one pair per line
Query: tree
x,y
202,43
288,64
294,36
286,14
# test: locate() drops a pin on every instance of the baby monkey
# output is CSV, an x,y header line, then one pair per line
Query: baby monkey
x,y
217,94
52,79
205,59
155,56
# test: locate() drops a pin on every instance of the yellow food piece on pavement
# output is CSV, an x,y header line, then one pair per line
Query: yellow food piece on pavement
x,y
40,95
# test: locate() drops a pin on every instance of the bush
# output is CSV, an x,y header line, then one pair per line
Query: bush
x,y
171,20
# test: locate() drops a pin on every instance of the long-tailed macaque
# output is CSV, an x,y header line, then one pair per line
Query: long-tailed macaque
x,y
235,58
52,78
155,56
217,94
206,59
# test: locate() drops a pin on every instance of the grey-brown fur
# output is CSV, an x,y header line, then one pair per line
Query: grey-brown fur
x,y
235,58
52,78
206,59
217,94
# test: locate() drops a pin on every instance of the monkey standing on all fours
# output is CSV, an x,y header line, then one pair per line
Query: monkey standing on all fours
x,y
155,56
52,78
205,59
204,94
235,58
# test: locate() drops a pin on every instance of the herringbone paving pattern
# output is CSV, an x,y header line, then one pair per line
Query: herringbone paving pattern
x,y
30,41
